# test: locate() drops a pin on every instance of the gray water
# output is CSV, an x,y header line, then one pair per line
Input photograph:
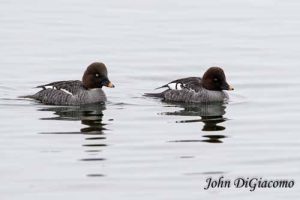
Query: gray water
x,y
141,148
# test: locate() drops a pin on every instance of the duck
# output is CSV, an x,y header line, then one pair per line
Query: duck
x,y
76,92
210,88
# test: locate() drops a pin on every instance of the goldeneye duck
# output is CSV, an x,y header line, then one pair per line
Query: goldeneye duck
x,y
75,92
196,90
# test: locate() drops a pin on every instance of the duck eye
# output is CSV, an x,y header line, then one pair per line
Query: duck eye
x,y
216,80
97,75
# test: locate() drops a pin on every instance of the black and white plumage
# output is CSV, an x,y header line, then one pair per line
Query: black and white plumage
x,y
190,83
195,89
75,92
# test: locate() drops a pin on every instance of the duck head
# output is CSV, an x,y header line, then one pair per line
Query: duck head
x,y
214,79
95,76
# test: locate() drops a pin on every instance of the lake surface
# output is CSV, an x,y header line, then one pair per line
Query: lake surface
x,y
141,148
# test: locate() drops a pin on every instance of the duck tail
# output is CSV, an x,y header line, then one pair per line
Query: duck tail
x,y
26,97
157,95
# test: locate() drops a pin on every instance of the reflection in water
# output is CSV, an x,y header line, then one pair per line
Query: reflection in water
x,y
89,115
210,114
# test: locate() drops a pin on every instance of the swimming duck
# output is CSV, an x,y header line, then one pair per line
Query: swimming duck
x,y
196,90
75,92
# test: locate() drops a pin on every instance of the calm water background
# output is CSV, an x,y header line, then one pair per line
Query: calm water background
x,y
139,148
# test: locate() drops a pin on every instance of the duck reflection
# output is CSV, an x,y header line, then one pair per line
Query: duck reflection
x,y
211,115
89,115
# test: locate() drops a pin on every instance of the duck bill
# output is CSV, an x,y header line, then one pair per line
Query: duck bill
x,y
109,84
227,87
230,87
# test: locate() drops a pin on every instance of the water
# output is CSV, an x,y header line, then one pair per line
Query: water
x,y
141,148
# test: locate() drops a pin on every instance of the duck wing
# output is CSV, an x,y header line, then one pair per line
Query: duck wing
x,y
70,87
178,87
190,83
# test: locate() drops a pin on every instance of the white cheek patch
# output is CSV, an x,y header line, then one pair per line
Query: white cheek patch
x,y
176,86
66,91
